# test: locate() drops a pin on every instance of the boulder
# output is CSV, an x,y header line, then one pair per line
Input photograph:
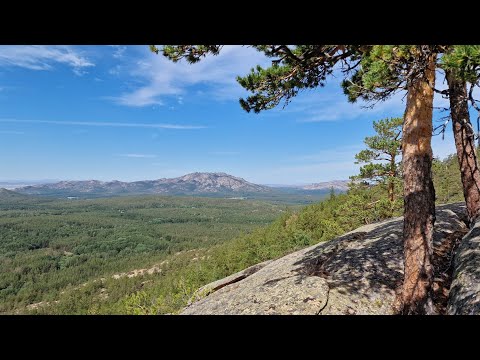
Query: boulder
x,y
356,273
464,296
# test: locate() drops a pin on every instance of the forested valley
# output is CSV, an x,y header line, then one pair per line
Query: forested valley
x,y
147,255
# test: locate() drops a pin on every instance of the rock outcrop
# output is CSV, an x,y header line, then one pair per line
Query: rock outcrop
x,y
464,296
356,273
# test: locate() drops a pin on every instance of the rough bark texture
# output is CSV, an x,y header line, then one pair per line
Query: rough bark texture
x,y
391,185
419,194
465,144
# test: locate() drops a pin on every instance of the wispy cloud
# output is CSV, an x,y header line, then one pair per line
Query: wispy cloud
x,y
319,105
115,71
107,124
119,51
327,106
40,57
140,156
12,132
162,78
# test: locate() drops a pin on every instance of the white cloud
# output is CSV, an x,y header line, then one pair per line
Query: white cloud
x,y
324,105
139,156
115,71
41,57
79,71
119,51
108,124
330,104
162,78
142,97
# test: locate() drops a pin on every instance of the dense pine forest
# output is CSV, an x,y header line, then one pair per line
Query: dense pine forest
x,y
147,255
49,245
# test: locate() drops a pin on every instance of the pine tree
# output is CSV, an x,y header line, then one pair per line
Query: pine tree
x,y
381,156
378,72
462,64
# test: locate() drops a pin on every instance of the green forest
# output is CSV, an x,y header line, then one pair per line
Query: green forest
x,y
80,256
149,254
49,246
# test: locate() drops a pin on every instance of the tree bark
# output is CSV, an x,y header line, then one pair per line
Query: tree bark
x,y
465,144
419,194
391,182
391,185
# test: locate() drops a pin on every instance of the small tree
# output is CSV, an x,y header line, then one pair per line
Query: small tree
x,y
381,158
332,193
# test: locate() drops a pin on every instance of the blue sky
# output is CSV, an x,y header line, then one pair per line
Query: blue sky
x,y
121,112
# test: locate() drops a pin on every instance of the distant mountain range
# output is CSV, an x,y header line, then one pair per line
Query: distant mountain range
x,y
12,184
339,185
8,194
191,184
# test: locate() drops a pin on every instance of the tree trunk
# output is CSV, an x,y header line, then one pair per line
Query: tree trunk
x,y
391,181
391,185
465,144
419,194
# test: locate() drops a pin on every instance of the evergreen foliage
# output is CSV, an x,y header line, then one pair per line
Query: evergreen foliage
x,y
382,161
48,246
64,253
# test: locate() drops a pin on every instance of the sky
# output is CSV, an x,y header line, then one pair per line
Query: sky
x,y
124,113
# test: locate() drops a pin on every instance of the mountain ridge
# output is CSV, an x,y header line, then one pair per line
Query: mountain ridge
x,y
341,185
193,183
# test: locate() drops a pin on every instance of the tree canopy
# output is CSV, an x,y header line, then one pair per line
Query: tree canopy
x,y
372,73
381,158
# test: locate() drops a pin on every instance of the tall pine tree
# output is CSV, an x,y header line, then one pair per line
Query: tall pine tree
x,y
378,72
462,65
384,71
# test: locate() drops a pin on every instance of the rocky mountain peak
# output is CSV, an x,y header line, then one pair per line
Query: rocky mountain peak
x,y
189,184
